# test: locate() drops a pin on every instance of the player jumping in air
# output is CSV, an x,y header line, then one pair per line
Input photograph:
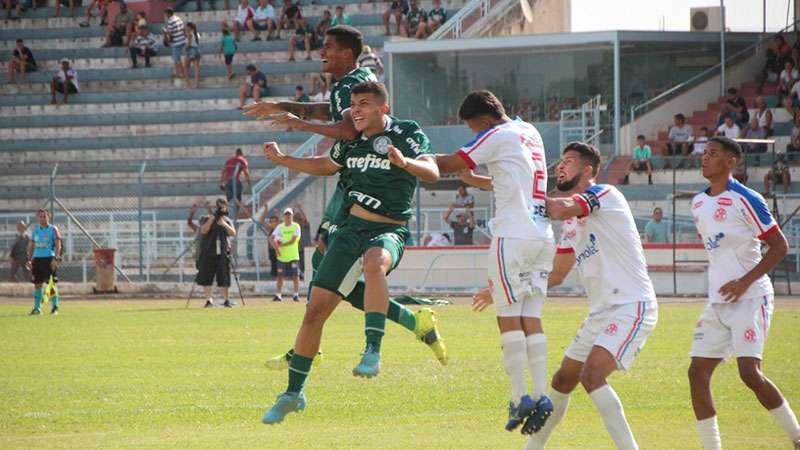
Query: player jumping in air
x,y
522,249
339,55
598,235
382,166
732,220
44,252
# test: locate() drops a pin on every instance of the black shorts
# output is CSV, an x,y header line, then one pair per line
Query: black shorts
x,y
41,271
639,166
228,60
212,267
288,269
60,87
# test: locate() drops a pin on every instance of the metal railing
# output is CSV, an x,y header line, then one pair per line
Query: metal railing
x,y
474,15
581,124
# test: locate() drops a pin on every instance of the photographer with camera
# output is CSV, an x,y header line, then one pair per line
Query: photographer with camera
x,y
215,253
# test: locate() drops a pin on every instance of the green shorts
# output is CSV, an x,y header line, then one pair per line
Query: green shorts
x,y
342,264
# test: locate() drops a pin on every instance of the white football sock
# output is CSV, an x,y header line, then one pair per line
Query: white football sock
x,y
537,362
786,419
514,357
709,433
613,416
560,403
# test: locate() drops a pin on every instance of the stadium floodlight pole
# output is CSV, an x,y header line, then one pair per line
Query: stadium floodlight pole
x,y
722,48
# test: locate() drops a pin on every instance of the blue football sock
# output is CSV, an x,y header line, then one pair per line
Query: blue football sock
x,y
37,299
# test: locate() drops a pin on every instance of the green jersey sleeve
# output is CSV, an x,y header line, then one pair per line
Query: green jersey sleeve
x,y
414,142
339,152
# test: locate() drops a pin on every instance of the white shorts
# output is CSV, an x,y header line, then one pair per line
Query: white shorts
x,y
621,329
518,270
739,329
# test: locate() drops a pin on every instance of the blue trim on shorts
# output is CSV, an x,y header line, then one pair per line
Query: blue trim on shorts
x,y
638,327
503,271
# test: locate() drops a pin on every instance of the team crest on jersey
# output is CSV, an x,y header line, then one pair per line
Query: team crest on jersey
x,y
750,335
725,201
720,215
697,205
611,329
381,145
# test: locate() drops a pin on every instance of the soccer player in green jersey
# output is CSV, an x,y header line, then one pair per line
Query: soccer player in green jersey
x,y
383,165
339,55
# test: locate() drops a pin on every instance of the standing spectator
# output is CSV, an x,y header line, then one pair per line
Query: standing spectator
x,y
437,16
118,30
729,129
226,180
463,198
642,154
655,231
214,261
323,25
301,39
736,107
371,60
789,76
771,71
415,22
794,142
305,234
397,9
22,61
70,3
783,49
323,95
65,82
270,226
136,24
102,7
680,135
192,54
290,15
286,241
341,18
299,95
754,131
263,20
18,254
463,227
255,86
763,115
228,48
778,174
244,14
143,46
175,36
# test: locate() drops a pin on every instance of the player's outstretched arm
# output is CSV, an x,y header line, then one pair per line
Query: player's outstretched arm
x,y
310,110
343,130
450,163
313,165
424,167
562,264
567,207
778,247
479,181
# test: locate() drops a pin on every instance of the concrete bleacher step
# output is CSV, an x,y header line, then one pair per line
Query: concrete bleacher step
x,y
160,189
664,177
191,118
111,203
229,103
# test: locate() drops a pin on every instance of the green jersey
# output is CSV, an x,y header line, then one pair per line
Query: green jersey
x,y
438,14
376,184
414,17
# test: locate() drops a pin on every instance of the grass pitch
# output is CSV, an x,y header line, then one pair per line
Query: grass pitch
x,y
151,374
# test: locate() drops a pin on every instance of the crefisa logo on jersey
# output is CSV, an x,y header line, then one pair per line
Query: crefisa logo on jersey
x,y
720,215
381,145
713,241
590,250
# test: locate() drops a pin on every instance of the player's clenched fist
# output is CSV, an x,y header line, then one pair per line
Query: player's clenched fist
x,y
396,157
272,152
261,110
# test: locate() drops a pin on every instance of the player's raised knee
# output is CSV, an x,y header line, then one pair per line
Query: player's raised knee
x,y
564,382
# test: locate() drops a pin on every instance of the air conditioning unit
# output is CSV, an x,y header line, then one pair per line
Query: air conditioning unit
x,y
706,18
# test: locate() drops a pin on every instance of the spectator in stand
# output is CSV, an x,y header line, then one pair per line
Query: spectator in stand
x,y
70,3
244,14
782,49
192,54
655,231
463,227
341,18
227,49
286,240
21,62
415,22
736,107
102,7
642,154
680,136
397,9
371,60
65,82
302,39
740,174
789,76
299,95
119,28
778,174
771,71
729,129
19,6
144,46
754,131
794,142
323,25
140,21
18,254
700,142
175,36
763,115
290,15
463,198
179,4
305,234
227,182
323,94
263,20
255,86
437,16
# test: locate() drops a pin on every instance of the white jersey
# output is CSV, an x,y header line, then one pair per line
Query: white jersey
x,y
608,250
732,226
514,154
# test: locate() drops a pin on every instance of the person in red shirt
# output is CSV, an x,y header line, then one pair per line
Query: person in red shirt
x,y
226,180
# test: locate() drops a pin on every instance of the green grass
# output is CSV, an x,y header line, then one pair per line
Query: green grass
x,y
150,374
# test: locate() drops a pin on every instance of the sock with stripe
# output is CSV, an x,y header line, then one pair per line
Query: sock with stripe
x,y
374,325
397,312
610,407
786,419
55,301
537,362
37,298
299,368
560,403
514,356
709,433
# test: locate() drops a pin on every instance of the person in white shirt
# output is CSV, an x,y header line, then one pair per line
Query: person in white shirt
x,y
324,95
789,75
733,220
437,240
263,20
244,14
680,141
522,248
65,82
729,129
599,236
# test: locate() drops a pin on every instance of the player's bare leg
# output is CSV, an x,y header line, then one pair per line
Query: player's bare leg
x,y
700,371
564,382
377,262
769,396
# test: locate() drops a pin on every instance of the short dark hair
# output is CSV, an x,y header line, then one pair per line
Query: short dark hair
x,y
732,91
641,136
729,145
347,37
239,151
680,116
589,154
481,103
371,87
251,67
169,12
657,208
19,41
340,7
225,32
299,87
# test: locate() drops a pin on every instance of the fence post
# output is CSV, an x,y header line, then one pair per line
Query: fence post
x,y
256,250
141,230
419,215
53,192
